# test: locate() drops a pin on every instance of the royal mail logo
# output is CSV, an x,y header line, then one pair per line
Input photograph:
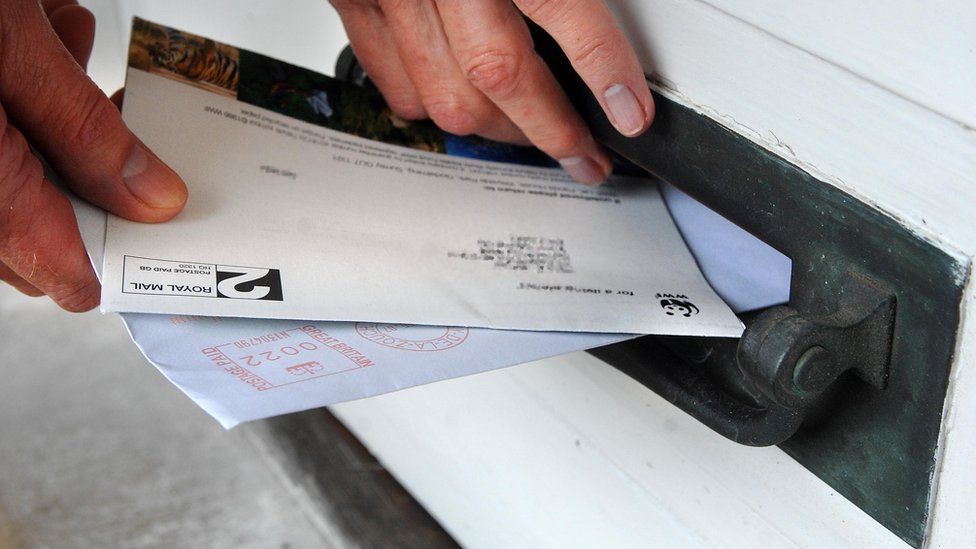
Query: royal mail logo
x,y
147,276
248,283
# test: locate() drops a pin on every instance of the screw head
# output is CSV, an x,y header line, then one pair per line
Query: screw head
x,y
811,373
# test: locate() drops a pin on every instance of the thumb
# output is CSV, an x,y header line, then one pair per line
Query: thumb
x,y
77,128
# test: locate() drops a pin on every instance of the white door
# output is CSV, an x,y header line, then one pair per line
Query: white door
x,y
874,97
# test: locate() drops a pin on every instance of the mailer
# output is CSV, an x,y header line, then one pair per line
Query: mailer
x,y
241,369
297,211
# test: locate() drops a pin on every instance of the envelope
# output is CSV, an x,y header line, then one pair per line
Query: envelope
x,y
296,213
239,370
242,369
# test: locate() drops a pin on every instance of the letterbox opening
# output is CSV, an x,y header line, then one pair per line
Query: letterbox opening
x,y
745,271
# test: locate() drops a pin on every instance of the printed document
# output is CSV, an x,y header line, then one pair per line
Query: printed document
x,y
297,211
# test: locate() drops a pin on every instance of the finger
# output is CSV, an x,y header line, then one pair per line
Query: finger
x,y
601,55
50,6
370,39
117,98
75,27
39,238
76,127
495,52
450,100
15,280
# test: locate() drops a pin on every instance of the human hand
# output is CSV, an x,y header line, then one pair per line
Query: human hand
x,y
470,66
48,102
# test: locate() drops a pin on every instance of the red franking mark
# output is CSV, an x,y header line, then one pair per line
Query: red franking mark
x,y
409,337
281,358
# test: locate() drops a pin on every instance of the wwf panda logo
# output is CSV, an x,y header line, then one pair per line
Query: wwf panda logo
x,y
678,305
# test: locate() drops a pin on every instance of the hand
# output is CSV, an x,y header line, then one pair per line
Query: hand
x,y
470,66
47,102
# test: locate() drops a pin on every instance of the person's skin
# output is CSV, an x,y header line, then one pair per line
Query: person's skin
x,y
470,66
48,103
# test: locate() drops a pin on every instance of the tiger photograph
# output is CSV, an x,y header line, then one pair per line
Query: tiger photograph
x,y
301,93
185,57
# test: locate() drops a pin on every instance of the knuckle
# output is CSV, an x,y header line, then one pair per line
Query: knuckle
x,y
495,71
20,174
566,142
92,124
393,6
16,234
13,17
350,5
539,10
16,238
407,108
452,115
78,296
596,52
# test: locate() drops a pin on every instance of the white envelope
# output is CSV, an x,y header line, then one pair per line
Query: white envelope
x,y
293,220
243,369
226,366
239,369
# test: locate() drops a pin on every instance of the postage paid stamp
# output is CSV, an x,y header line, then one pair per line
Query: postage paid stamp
x,y
410,337
285,357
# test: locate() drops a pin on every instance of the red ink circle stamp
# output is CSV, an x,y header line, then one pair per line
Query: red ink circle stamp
x,y
410,337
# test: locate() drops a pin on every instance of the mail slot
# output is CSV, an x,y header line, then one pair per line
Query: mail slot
x,y
850,377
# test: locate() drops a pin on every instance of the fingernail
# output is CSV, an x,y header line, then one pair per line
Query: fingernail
x,y
625,112
583,169
152,181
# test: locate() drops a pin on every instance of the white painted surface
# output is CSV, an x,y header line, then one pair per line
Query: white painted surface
x,y
952,521
863,132
839,111
569,452
910,161
877,112
923,51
